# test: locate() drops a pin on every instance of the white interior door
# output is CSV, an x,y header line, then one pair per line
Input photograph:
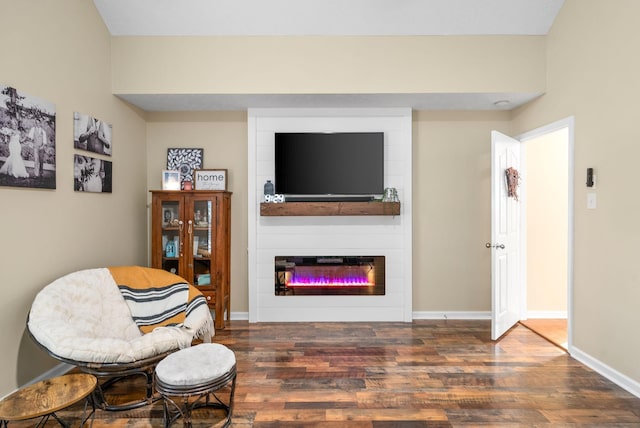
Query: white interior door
x,y
505,237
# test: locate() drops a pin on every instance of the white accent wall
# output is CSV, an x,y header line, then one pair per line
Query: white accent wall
x,y
389,236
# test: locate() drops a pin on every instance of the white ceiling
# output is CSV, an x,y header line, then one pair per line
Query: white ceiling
x,y
327,17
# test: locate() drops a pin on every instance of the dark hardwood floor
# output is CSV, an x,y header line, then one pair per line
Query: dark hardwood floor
x,y
401,375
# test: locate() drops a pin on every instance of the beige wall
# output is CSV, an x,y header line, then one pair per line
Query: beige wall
x,y
452,209
328,65
547,223
223,137
59,51
592,73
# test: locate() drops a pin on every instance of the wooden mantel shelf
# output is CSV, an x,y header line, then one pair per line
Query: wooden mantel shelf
x,y
329,208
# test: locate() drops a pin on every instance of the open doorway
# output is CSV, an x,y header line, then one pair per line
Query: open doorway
x,y
548,224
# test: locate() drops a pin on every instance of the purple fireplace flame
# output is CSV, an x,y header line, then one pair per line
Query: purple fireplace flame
x,y
329,275
345,279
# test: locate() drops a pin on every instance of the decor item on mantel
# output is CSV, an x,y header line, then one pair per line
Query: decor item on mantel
x,y
268,188
390,195
276,198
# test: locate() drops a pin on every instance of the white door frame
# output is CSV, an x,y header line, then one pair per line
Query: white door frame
x,y
569,124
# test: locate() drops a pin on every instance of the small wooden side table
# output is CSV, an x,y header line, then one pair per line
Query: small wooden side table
x,y
46,397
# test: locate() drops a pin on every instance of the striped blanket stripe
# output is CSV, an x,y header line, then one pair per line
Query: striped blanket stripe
x,y
156,298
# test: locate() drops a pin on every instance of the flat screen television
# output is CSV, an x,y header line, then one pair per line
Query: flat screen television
x,y
316,166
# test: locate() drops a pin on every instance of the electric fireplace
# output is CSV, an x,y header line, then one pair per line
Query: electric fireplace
x,y
329,275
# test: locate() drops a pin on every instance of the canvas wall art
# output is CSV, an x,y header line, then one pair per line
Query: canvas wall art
x,y
92,174
92,134
27,140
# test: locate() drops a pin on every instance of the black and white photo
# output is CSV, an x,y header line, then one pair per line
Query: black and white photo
x,y
91,134
27,140
92,174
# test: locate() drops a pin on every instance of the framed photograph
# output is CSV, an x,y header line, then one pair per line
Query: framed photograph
x,y
170,180
184,161
169,216
210,179
91,134
27,140
92,174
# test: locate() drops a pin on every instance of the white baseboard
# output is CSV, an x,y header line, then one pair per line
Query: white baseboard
x,y
453,315
239,316
547,315
614,376
423,315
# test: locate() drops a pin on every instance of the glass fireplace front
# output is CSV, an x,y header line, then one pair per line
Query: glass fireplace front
x,y
329,275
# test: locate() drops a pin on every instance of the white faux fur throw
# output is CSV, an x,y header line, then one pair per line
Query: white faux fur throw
x,y
83,317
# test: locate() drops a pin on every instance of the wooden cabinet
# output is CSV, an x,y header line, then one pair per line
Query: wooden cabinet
x,y
191,237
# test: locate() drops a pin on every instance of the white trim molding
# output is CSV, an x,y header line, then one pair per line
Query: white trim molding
x,y
452,315
614,376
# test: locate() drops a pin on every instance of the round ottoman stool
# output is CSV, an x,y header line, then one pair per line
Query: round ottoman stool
x,y
195,374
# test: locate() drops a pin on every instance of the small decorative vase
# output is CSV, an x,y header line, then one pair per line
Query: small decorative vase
x,y
268,188
170,249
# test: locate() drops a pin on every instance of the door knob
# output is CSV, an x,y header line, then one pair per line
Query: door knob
x,y
488,245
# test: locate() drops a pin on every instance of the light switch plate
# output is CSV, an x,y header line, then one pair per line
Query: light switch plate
x,y
591,201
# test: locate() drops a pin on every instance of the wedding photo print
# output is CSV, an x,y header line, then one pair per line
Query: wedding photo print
x,y
27,140
92,174
91,134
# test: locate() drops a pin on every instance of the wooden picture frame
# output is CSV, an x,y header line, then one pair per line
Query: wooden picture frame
x,y
170,180
210,179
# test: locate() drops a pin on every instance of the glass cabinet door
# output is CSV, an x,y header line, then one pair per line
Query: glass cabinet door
x,y
172,226
201,233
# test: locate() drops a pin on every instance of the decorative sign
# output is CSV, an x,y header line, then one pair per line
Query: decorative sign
x,y
210,179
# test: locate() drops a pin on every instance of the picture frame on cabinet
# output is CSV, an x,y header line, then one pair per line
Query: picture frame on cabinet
x,y
210,179
170,180
185,161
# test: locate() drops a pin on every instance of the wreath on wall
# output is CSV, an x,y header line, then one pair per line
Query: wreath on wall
x,y
513,180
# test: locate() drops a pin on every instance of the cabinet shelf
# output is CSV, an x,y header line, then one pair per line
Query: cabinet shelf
x,y
329,208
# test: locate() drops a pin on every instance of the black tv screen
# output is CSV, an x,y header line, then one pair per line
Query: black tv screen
x,y
338,164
